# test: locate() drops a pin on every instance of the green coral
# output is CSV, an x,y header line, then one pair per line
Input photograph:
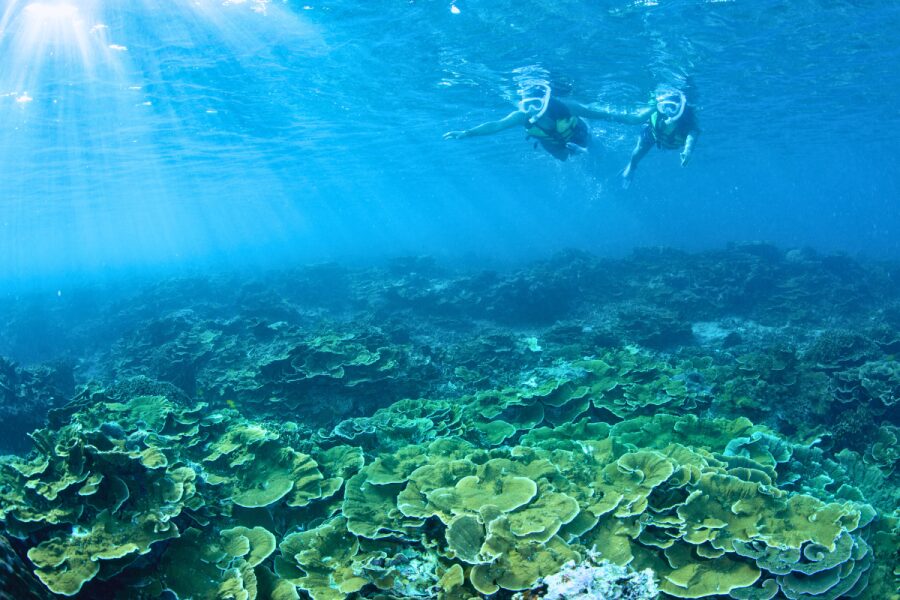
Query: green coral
x,y
202,568
393,427
116,479
115,501
254,545
884,450
881,382
263,473
624,384
498,492
66,562
319,561
291,374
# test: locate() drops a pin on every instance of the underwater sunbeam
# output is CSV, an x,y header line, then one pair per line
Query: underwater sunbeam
x,y
42,35
61,11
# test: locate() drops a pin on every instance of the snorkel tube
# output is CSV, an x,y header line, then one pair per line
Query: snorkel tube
x,y
671,104
536,106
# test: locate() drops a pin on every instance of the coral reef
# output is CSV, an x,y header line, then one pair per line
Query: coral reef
x,y
26,395
594,578
720,425
16,581
157,492
273,368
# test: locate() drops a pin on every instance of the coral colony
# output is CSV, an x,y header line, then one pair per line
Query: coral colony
x,y
719,425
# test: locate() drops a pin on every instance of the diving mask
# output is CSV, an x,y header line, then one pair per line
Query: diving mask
x,y
535,106
671,106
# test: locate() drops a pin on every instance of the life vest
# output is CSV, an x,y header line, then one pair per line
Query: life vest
x,y
564,128
670,136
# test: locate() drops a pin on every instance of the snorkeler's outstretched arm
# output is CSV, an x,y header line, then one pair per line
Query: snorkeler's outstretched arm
x,y
604,112
511,120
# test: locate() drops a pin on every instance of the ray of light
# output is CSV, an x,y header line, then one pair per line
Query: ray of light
x,y
100,150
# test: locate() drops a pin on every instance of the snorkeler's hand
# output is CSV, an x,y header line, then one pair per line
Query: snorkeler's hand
x,y
685,157
456,135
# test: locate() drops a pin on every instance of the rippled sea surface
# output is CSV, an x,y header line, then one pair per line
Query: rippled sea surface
x,y
143,132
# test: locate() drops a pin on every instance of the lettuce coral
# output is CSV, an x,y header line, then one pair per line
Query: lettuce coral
x,y
222,506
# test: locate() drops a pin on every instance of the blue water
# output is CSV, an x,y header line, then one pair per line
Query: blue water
x,y
176,134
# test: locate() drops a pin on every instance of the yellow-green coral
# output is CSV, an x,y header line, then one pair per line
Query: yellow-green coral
x,y
213,568
65,562
713,506
319,561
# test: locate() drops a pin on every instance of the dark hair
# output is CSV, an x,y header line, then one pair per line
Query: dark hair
x,y
536,91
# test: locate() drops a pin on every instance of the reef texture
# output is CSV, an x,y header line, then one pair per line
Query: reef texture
x,y
25,397
592,579
16,580
716,426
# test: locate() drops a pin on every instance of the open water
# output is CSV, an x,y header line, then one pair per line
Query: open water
x,y
145,133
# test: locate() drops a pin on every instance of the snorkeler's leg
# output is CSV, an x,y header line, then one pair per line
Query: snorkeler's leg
x,y
644,143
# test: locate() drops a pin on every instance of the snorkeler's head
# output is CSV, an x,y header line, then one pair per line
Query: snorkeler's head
x,y
671,105
535,102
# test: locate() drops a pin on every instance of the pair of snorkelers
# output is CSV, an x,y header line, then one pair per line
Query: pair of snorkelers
x,y
668,122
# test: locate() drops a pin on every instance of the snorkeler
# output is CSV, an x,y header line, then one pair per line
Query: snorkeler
x,y
669,123
555,124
